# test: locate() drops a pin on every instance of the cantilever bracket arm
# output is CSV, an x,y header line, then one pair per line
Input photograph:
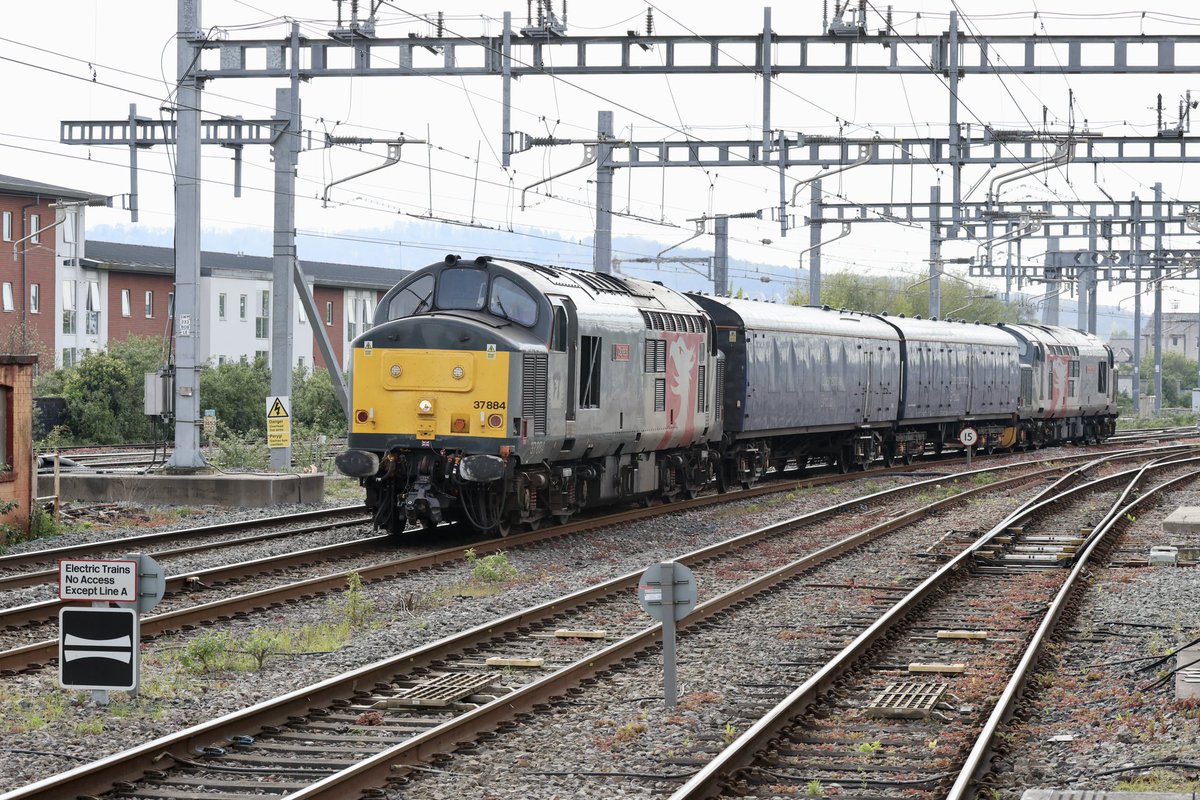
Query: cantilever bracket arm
x,y
1028,226
1191,218
864,157
589,157
393,157
701,227
845,232
1062,157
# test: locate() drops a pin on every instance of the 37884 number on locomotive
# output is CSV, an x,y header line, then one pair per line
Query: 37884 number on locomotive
x,y
502,393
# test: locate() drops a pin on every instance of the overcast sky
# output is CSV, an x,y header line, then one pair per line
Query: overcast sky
x,y
92,58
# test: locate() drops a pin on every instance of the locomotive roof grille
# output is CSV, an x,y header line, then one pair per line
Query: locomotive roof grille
x,y
669,321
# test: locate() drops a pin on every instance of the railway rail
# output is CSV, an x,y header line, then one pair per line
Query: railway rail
x,y
39,653
333,729
857,696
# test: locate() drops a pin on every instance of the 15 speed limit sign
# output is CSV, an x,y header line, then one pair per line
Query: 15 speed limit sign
x,y
968,437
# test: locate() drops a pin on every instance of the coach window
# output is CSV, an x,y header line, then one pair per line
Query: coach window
x,y
411,299
462,288
510,301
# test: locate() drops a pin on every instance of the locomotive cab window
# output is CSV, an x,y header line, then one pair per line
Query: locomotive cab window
x,y
412,299
464,289
558,331
512,302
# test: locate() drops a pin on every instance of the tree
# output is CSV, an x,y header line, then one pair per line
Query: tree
x,y
97,393
237,391
315,404
1178,378
900,295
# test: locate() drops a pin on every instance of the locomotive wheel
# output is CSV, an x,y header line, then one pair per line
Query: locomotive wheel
x,y
889,457
989,448
909,458
503,528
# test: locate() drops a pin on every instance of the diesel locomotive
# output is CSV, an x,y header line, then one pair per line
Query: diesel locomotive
x,y
503,393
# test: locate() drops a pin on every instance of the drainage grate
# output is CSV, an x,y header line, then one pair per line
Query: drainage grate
x,y
906,700
444,689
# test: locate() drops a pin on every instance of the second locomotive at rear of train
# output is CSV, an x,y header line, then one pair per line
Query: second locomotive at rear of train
x,y
503,393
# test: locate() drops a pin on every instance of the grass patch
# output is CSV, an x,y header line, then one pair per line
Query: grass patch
x,y
212,653
1159,780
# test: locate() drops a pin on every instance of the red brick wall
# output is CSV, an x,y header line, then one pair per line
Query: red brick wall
x,y
39,269
120,327
336,331
16,481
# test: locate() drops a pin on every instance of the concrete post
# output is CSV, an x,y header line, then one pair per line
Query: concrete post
x,y
1156,276
1135,254
721,256
283,296
602,257
814,243
188,326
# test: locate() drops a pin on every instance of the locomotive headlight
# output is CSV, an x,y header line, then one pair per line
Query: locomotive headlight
x,y
395,370
458,373
425,407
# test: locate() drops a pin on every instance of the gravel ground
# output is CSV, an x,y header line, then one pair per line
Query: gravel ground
x,y
1096,710
48,730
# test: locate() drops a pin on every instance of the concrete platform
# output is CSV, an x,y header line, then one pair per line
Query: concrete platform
x,y
222,489
1185,519
1083,794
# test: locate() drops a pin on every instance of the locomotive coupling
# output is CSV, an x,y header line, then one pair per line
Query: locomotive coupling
x,y
481,468
357,463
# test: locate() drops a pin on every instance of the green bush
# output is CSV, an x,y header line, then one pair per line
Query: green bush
x,y
240,451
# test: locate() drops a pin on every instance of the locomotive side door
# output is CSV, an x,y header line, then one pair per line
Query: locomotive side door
x,y
564,359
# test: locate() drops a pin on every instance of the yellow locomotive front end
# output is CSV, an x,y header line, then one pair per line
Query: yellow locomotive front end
x,y
432,398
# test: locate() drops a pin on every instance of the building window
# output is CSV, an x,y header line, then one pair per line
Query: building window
x,y
68,325
35,222
69,357
170,305
221,306
242,308
221,361
261,355
589,372
126,303
7,296
35,298
8,226
149,305
68,226
262,323
329,312
93,309
300,362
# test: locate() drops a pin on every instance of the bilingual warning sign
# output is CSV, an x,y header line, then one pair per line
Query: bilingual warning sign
x,y
279,421
98,581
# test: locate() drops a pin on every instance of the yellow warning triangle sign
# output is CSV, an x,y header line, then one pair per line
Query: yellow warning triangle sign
x,y
277,410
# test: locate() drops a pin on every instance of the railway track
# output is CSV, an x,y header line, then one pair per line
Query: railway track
x,y
35,654
345,705
930,669
18,570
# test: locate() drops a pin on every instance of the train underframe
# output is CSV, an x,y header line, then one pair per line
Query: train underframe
x,y
496,495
